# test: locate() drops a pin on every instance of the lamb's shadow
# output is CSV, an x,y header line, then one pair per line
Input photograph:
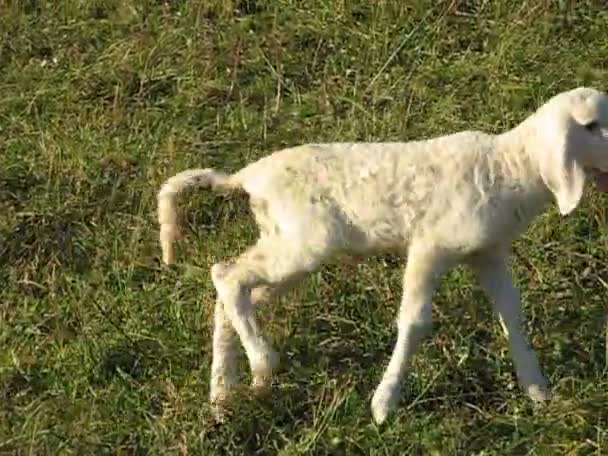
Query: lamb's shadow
x,y
15,189
23,384
578,343
473,380
63,236
140,360
41,239
354,353
251,422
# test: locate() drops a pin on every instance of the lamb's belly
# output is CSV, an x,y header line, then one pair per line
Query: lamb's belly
x,y
379,230
471,234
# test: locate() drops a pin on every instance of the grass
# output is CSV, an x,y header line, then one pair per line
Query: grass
x,y
103,351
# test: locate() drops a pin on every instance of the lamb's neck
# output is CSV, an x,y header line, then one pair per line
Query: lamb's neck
x,y
521,170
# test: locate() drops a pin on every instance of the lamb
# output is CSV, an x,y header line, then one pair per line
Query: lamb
x,y
462,198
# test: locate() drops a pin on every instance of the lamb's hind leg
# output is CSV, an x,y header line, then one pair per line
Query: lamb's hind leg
x,y
266,293
262,295
224,360
272,262
224,375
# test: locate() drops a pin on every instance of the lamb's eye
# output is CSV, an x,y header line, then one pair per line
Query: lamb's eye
x,y
592,126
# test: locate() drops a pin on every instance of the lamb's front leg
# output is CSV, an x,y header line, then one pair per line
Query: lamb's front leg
x,y
424,267
495,278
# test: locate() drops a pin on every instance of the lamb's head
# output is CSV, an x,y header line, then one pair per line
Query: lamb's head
x,y
569,139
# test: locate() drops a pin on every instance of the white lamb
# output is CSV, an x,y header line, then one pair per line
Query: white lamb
x,y
456,199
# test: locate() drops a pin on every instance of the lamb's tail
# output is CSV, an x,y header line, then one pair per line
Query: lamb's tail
x,y
167,209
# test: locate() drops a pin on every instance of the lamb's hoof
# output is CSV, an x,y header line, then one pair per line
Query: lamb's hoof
x,y
260,386
384,402
263,371
539,393
219,396
219,412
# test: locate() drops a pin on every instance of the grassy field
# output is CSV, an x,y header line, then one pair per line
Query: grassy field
x,y
103,351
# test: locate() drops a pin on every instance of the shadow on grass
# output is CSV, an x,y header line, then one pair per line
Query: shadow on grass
x,y
139,359
21,385
63,236
253,423
16,187
38,240
28,379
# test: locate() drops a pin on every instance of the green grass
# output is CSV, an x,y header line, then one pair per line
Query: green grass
x,y
102,351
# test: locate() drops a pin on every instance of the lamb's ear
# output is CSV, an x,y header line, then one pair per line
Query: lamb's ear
x,y
560,168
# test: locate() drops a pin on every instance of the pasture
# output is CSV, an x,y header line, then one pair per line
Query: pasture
x,y
105,351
